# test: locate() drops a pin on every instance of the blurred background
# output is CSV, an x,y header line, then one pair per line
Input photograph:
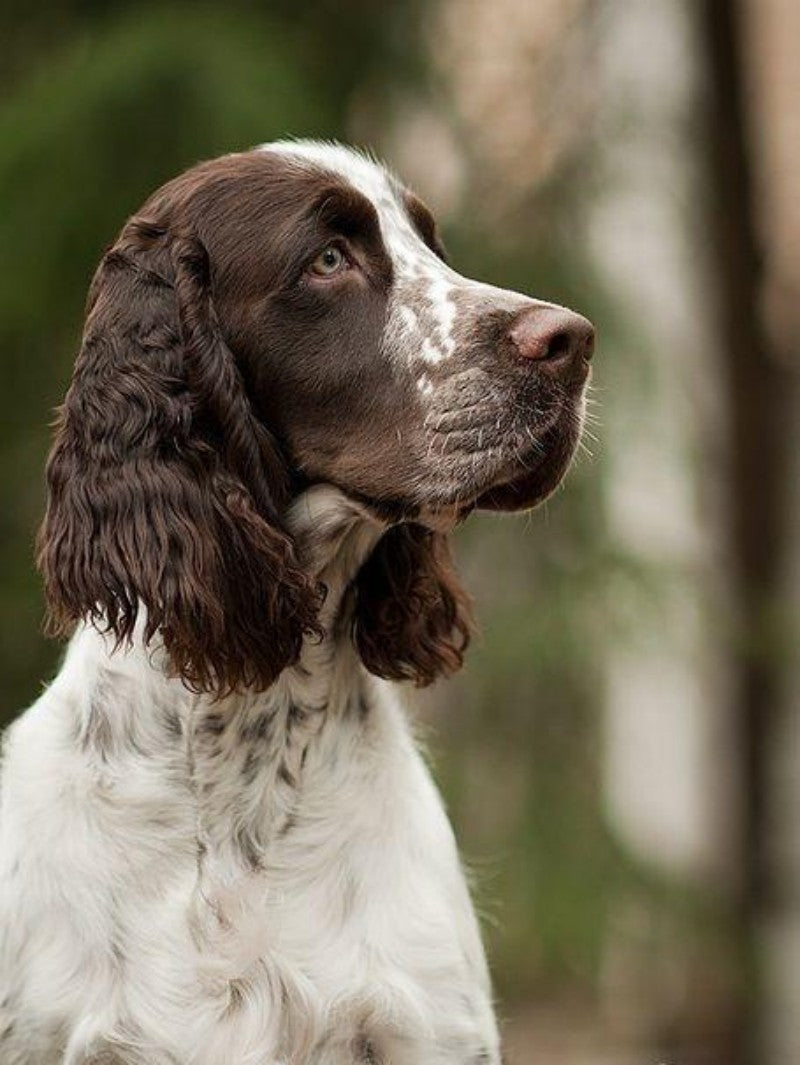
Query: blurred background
x,y
621,755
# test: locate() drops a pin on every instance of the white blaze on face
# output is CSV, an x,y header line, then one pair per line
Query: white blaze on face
x,y
424,385
422,305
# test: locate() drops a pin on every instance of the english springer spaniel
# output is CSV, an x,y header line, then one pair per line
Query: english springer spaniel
x,y
219,841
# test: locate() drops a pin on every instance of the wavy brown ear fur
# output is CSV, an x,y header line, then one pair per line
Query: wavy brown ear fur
x,y
164,489
412,618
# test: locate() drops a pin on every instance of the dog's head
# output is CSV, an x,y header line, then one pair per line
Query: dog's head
x,y
267,321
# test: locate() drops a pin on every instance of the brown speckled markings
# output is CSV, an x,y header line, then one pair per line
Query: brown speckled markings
x,y
267,739
366,1052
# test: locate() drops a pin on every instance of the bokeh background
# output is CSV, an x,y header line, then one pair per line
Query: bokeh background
x,y
621,755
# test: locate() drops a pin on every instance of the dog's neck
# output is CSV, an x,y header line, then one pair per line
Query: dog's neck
x,y
333,534
244,756
251,754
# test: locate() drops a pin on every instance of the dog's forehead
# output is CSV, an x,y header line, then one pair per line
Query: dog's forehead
x,y
368,176
373,180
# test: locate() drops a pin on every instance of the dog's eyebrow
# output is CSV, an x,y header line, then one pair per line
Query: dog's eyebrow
x,y
424,223
346,209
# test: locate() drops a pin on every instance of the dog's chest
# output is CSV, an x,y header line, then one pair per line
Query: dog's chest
x,y
275,912
269,879
325,884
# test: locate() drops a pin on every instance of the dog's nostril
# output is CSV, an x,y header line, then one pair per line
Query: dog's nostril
x,y
558,346
586,342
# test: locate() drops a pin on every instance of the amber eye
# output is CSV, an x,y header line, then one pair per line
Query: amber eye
x,y
330,261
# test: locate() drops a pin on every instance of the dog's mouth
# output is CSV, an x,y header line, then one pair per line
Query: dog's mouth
x,y
479,463
503,442
526,480
535,475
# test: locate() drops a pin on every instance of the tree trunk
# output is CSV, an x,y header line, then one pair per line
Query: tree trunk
x,y
759,400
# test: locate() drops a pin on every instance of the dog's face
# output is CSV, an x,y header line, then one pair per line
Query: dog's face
x,y
378,367
267,321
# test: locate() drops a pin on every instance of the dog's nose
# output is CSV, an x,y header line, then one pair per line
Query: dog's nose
x,y
552,334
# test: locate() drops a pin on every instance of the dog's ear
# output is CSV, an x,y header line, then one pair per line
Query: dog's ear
x,y
164,489
412,616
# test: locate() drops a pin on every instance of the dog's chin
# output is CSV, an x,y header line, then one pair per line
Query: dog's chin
x,y
532,478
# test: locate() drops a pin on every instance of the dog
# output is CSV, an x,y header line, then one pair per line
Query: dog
x,y
219,842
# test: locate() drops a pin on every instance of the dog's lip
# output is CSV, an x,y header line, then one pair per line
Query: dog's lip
x,y
534,476
524,472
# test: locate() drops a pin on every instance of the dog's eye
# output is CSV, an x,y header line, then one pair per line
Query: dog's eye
x,y
330,261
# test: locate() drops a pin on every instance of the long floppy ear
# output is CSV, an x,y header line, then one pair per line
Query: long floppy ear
x,y
412,616
164,488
